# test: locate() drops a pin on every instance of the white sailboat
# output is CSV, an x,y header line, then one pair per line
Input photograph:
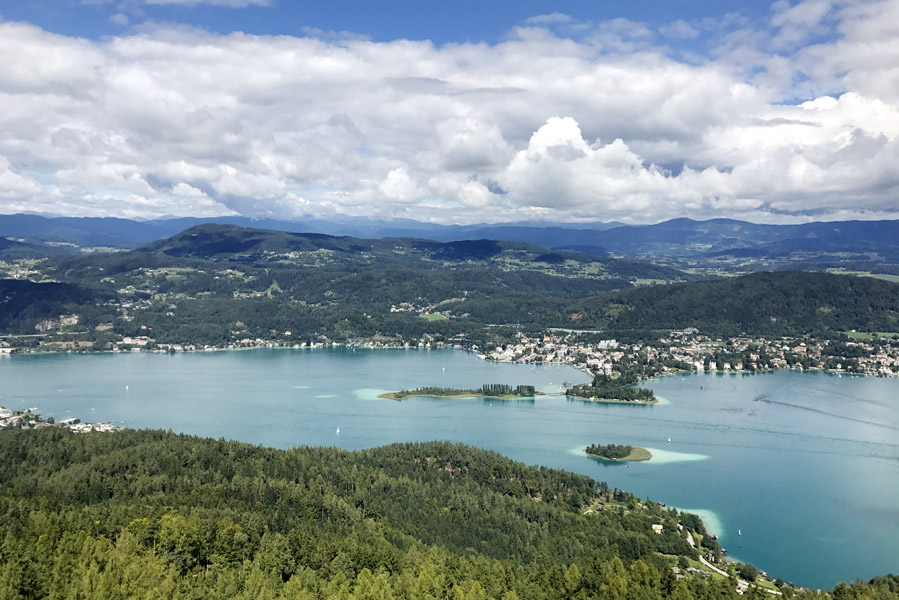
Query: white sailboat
x,y
739,532
338,430
669,440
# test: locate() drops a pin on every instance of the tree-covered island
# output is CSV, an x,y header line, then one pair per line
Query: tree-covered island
x,y
498,391
608,389
618,452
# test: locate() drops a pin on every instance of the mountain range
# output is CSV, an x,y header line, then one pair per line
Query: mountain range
x,y
873,242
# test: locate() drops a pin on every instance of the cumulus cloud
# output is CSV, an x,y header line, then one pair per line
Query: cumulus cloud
x,y
607,125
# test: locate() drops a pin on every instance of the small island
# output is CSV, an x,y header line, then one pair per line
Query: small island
x,y
496,391
608,389
616,452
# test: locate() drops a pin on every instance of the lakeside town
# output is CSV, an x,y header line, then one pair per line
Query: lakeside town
x,y
30,419
688,350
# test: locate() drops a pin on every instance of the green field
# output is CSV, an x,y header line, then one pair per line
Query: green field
x,y
431,317
867,336
883,276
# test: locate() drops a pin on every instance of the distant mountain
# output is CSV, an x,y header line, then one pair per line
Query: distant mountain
x,y
678,239
124,233
686,238
267,247
83,231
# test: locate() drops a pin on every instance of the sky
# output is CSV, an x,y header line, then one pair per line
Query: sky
x,y
451,112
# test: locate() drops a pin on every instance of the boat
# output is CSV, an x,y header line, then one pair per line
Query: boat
x,y
739,532
669,440
338,430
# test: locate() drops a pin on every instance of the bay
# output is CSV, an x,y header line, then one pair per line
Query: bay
x,y
805,465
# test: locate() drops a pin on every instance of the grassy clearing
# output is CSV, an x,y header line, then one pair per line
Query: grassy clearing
x,y
642,281
866,336
431,317
883,276
765,584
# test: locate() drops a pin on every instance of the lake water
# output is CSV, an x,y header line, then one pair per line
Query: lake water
x,y
805,464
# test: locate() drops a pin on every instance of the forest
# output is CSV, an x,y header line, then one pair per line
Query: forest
x,y
766,303
150,514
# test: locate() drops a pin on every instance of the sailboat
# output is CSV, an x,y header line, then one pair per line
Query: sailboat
x,y
669,440
338,430
739,532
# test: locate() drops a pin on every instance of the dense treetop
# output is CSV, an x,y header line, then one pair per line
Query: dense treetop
x,y
155,515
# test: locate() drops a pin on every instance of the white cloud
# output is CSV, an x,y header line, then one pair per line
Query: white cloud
x,y
120,19
173,120
15,185
679,29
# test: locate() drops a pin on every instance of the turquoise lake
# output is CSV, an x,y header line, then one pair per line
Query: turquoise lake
x,y
806,465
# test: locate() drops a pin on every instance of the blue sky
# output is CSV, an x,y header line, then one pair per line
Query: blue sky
x,y
455,112
440,22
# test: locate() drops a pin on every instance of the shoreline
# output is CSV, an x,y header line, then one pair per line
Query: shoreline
x,y
613,400
369,346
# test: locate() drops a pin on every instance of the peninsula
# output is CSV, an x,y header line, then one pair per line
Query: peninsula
x,y
496,391
616,452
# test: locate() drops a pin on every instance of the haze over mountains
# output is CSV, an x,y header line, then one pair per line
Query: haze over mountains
x,y
686,239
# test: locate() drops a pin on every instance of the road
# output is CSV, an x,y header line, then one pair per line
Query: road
x,y
742,586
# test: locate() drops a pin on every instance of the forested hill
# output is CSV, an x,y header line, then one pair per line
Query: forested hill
x,y
263,247
782,302
219,284
155,515
31,303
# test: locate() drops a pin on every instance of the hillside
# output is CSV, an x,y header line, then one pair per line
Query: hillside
x,y
26,304
218,284
262,247
152,514
776,303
